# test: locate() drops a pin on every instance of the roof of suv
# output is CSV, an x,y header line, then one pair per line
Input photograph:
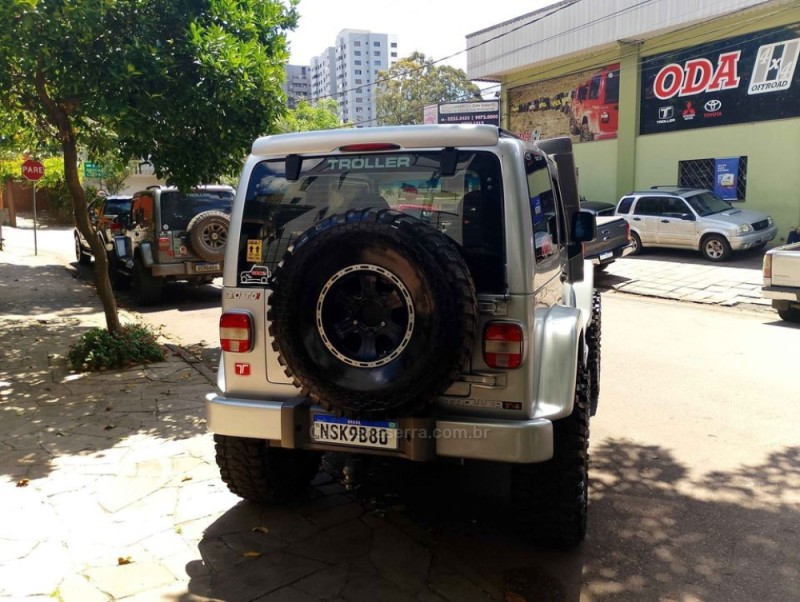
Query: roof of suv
x,y
668,190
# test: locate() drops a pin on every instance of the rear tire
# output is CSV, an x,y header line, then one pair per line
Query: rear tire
x,y
268,475
146,288
636,244
550,499
790,314
83,258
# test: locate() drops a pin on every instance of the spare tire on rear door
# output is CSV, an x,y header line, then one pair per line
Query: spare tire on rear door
x,y
208,234
373,314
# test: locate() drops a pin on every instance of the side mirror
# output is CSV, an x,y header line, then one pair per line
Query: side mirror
x,y
583,227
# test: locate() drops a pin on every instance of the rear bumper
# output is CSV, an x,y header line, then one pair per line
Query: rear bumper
x,y
609,256
781,293
187,269
288,424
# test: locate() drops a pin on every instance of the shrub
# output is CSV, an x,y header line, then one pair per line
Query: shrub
x,y
98,349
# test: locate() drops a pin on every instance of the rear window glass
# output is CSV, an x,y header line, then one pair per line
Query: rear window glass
x,y
625,205
466,207
178,208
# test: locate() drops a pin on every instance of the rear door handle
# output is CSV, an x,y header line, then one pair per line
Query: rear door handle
x,y
637,219
664,221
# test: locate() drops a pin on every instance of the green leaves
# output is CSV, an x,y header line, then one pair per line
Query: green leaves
x,y
186,83
414,82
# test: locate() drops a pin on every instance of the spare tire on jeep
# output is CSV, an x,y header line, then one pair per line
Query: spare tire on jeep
x,y
373,313
208,234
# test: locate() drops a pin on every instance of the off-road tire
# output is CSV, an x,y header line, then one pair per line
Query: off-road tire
x,y
208,234
593,335
146,288
586,134
373,314
257,472
715,247
115,277
82,257
550,499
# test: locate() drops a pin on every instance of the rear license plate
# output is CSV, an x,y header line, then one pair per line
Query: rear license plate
x,y
207,267
356,433
606,255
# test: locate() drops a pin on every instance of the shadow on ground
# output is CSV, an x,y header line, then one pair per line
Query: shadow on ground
x,y
424,533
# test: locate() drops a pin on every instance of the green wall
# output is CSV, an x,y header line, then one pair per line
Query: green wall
x,y
773,162
597,171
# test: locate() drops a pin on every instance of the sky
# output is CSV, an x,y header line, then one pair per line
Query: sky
x,y
438,28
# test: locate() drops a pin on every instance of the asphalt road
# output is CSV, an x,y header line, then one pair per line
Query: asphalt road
x,y
695,468
695,463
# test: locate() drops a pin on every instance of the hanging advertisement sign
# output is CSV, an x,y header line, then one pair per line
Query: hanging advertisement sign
x,y
480,112
737,80
583,105
726,173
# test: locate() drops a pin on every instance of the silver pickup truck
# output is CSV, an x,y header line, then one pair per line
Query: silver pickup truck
x,y
782,280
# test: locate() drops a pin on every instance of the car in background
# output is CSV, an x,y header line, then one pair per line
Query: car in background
x,y
107,214
599,208
613,235
693,218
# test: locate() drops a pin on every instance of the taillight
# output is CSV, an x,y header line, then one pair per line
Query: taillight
x,y
628,231
164,245
115,227
604,117
236,332
503,344
766,268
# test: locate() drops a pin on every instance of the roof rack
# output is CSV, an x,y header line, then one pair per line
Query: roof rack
x,y
657,186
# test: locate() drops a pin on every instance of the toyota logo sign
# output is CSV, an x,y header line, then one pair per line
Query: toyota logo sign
x,y
713,105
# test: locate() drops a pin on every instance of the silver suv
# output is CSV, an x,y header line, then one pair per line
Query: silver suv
x,y
354,322
693,218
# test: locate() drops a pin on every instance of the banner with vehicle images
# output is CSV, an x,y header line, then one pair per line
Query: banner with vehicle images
x,y
741,79
583,105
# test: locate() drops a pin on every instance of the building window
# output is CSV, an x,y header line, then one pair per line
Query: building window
x,y
377,64
376,44
376,53
356,62
394,44
357,52
356,43
357,72
358,81
394,55
726,177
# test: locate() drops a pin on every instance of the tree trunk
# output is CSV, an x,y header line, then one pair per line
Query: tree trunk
x,y
60,118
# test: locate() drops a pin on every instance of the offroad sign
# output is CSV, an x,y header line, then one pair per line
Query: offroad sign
x,y
737,80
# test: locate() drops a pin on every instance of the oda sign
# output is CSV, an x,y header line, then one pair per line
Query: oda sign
x,y
32,170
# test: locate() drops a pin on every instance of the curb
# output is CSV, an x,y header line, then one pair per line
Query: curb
x,y
195,363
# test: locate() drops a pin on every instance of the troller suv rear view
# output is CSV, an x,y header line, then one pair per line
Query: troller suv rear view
x,y
351,326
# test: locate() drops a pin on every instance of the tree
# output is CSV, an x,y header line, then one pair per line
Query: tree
x,y
416,81
306,117
187,84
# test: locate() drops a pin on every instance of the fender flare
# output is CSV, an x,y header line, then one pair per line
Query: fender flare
x,y
560,347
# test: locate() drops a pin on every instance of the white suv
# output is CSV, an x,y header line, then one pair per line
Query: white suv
x,y
374,328
693,218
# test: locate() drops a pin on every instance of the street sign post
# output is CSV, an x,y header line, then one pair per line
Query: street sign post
x,y
33,170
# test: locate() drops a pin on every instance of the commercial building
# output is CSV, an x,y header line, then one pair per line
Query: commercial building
x,y
348,71
658,92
